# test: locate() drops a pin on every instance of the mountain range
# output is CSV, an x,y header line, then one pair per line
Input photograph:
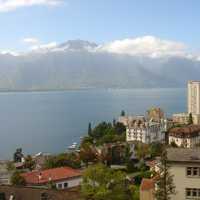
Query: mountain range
x,y
77,64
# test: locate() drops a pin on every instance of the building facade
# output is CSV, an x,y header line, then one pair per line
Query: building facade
x,y
194,97
187,136
180,118
185,167
147,189
146,131
194,100
62,178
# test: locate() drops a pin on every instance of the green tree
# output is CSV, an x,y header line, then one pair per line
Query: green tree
x,y
88,154
101,182
119,128
135,190
165,184
155,149
123,113
142,151
17,179
29,163
173,144
190,120
89,129
10,166
63,159
101,130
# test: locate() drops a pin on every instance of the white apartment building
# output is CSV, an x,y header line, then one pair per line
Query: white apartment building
x,y
188,136
194,100
146,131
185,167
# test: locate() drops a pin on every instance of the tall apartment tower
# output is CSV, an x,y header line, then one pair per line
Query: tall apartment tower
x,y
194,100
194,97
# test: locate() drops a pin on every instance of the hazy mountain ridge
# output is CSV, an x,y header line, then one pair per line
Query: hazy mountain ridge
x,y
79,64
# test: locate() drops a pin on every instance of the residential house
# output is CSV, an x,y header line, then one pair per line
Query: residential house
x,y
147,189
184,165
28,193
63,177
187,136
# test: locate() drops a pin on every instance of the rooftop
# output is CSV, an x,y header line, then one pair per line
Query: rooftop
x,y
193,81
147,184
56,174
186,131
183,155
27,193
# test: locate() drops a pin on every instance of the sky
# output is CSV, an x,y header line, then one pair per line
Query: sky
x,y
26,24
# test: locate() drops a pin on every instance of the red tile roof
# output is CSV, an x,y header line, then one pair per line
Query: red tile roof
x,y
56,174
147,184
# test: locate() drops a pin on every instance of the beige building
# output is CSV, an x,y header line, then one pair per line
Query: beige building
x,y
180,118
147,189
185,168
155,114
126,120
194,100
187,136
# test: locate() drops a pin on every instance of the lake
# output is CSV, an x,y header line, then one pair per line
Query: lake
x,y
51,121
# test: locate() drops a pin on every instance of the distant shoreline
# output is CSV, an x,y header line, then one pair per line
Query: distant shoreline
x,y
82,89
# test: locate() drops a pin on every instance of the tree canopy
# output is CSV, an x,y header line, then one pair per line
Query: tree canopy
x,y
17,179
165,184
105,132
64,159
101,182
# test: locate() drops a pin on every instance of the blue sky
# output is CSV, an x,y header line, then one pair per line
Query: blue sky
x,y
100,21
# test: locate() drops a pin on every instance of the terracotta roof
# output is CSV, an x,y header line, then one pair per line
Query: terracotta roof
x,y
27,193
55,174
147,184
186,131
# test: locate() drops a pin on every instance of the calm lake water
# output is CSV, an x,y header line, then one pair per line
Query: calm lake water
x,y
51,121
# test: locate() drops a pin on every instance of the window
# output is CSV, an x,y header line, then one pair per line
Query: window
x,y
60,186
65,185
193,171
2,196
188,192
44,196
193,192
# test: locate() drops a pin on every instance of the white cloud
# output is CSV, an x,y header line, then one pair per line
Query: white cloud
x,y
31,40
44,47
146,46
13,53
10,5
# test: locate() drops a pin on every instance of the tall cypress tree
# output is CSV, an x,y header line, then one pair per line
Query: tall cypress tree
x,y
123,113
190,120
89,129
165,185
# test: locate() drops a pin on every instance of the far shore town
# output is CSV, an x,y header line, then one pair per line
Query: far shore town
x,y
148,157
